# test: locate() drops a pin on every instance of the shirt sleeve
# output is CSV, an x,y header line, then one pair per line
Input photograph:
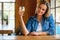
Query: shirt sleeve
x,y
51,26
29,24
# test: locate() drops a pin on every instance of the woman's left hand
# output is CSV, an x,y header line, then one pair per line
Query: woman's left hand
x,y
34,34
38,33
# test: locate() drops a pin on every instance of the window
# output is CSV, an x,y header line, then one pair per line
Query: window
x,y
58,11
58,15
7,0
0,16
55,10
57,3
7,15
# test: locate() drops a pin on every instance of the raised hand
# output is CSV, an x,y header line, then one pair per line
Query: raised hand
x,y
21,10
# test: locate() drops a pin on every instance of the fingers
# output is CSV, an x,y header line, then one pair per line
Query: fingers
x,y
21,10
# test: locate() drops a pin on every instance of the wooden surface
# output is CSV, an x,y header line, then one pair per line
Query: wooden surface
x,y
28,38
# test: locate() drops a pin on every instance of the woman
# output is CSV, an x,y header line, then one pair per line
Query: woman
x,y
40,24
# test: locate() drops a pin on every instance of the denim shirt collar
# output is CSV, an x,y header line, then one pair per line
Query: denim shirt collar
x,y
43,18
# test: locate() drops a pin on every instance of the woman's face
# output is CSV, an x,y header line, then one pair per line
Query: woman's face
x,y
42,9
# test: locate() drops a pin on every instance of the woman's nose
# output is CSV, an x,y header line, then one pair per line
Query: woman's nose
x,y
40,10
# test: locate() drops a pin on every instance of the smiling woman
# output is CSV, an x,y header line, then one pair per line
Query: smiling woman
x,y
41,21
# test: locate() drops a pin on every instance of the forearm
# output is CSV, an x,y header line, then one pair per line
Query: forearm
x,y
24,29
42,33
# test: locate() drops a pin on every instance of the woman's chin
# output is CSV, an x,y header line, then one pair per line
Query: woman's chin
x,y
39,14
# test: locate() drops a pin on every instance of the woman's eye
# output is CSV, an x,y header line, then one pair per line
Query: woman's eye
x,y
43,9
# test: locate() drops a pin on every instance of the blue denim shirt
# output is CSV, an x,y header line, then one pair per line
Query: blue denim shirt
x,y
47,24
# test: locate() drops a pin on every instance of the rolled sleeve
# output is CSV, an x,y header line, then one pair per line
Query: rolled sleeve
x,y
51,26
28,25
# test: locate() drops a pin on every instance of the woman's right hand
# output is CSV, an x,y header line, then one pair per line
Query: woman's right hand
x,y
21,11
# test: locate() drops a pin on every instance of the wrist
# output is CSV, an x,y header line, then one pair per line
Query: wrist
x,y
21,17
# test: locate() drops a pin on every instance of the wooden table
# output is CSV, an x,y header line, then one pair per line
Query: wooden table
x,y
27,38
